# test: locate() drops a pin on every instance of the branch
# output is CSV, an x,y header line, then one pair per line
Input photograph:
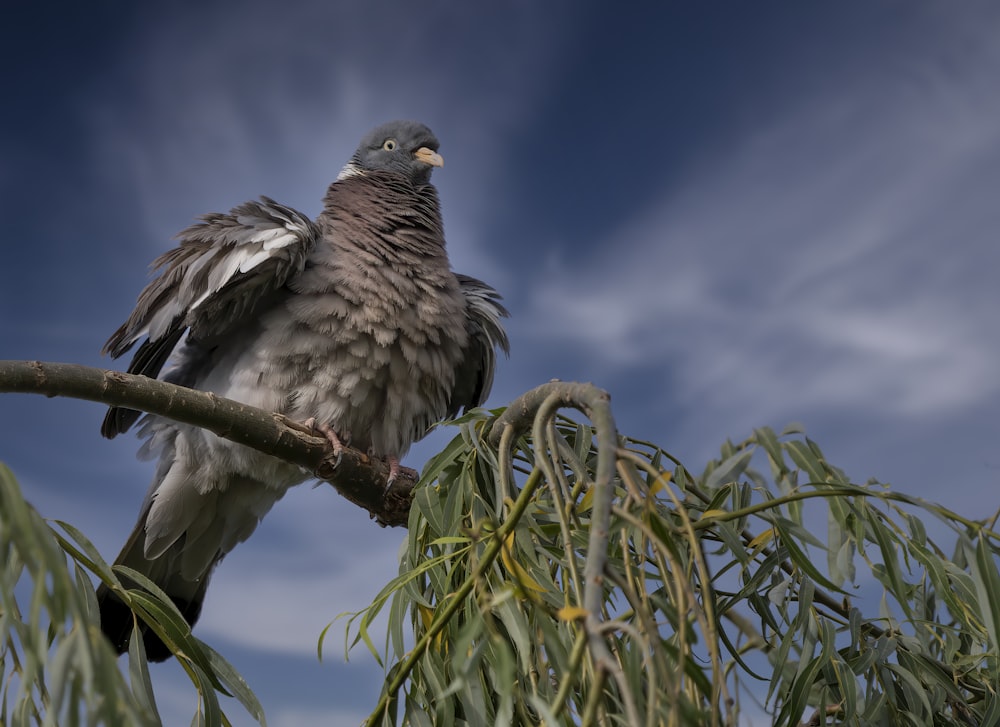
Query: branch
x,y
583,397
534,409
355,476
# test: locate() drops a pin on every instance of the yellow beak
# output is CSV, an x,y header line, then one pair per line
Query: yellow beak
x,y
429,157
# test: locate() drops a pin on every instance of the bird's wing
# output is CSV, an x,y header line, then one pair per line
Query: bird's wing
x,y
483,313
216,279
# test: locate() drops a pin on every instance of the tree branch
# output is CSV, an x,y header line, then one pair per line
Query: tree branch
x,y
583,397
355,476
533,410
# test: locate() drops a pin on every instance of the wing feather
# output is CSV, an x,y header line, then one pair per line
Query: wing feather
x,y
211,283
483,314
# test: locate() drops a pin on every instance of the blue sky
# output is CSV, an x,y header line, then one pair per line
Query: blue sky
x,y
728,215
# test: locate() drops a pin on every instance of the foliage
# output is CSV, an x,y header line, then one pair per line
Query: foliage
x,y
565,577
716,587
56,665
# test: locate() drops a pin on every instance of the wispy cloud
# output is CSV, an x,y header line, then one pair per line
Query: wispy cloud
x,y
243,111
294,717
833,256
315,557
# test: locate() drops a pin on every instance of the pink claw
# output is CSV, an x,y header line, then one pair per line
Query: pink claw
x,y
395,469
331,436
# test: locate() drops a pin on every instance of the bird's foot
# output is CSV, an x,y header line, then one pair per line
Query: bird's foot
x,y
396,469
331,437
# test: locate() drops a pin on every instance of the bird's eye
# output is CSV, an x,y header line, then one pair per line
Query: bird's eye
x,y
389,144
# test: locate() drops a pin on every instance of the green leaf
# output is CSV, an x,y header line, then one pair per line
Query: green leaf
x,y
138,670
987,581
730,470
234,683
894,580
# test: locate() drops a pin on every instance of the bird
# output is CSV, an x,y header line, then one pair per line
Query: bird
x,y
353,322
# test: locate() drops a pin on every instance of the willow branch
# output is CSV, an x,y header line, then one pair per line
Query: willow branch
x,y
533,409
354,475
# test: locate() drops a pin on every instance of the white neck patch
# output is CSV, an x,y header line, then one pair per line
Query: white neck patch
x,y
350,170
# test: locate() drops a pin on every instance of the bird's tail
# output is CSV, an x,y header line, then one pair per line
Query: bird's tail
x,y
187,593
185,529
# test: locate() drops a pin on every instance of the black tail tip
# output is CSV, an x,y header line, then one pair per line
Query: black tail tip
x,y
117,622
118,421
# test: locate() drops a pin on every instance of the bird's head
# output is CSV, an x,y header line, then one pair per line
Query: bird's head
x,y
405,147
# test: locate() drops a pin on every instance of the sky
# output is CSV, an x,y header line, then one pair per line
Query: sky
x,y
728,215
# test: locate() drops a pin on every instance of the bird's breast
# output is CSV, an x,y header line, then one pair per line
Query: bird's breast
x,y
371,352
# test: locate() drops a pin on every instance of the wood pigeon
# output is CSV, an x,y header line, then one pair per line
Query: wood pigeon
x,y
354,321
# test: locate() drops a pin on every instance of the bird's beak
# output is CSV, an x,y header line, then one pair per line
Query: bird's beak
x,y
429,157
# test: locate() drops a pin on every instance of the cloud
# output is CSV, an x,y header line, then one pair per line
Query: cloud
x,y
315,557
222,105
833,256
293,717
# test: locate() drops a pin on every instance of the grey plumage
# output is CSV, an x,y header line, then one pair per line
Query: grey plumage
x,y
355,320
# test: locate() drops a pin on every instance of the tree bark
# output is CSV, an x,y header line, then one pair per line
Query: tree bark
x,y
359,478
